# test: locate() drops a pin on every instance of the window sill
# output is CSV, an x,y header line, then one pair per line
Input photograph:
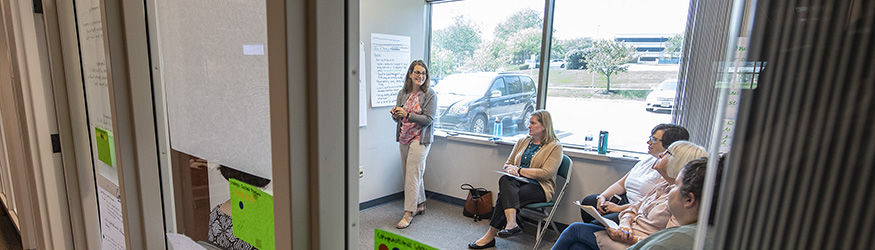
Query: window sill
x,y
571,151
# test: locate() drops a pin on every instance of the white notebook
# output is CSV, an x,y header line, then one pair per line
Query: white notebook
x,y
595,214
523,179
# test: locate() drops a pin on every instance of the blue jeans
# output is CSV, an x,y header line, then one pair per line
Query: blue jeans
x,y
578,236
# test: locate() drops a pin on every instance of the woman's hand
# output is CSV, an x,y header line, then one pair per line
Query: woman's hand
x,y
511,169
398,112
623,235
611,207
600,204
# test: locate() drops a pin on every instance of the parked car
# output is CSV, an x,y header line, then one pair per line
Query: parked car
x,y
472,101
662,96
557,64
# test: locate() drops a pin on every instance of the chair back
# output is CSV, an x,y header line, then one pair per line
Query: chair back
x,y
565,167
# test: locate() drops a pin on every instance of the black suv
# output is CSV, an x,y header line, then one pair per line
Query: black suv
x,y
472,101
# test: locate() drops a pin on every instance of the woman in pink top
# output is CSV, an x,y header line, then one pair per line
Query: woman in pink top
x,y
642,218
414,113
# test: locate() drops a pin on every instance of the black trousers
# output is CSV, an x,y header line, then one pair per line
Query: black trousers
x,y
514,194
591,200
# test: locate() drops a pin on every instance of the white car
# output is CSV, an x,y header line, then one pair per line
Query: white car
x,y
663,95
557,64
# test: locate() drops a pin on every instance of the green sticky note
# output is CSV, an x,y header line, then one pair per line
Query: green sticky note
x,y
105,146
252,214
388,241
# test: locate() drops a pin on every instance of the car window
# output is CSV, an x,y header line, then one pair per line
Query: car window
x,y
528,85
498,84
513,84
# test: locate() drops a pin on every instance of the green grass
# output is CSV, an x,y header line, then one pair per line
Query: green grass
x,y
631,85
635,94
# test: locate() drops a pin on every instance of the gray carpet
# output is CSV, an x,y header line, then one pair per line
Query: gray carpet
x,y
9,237
442,227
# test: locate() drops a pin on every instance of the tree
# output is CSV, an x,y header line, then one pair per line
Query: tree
x,y
490,57
461,38
442,62
607,58
673,46
520,20
576,59
562,47
524,43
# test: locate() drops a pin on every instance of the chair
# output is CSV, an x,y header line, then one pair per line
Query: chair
x,y
546,210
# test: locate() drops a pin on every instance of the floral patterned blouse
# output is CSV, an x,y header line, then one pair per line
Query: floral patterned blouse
x,y
410,130
222,232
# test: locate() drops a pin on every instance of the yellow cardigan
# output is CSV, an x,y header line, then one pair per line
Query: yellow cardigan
x,y
547,160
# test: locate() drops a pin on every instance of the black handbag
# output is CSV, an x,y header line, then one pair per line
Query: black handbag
x,y
479,203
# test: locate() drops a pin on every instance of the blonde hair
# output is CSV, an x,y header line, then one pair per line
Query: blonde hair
x,y
547,121
408,83
683,152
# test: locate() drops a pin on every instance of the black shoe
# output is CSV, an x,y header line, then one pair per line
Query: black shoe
x,y
510,232
473,245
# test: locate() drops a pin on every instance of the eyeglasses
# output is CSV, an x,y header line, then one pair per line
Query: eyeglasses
x,y
419,73
654,139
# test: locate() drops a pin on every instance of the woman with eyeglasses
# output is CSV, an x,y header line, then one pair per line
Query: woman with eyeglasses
x,y
639,180
642,218
414,113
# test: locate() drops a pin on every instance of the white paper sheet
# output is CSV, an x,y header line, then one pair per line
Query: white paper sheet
x,y
390,57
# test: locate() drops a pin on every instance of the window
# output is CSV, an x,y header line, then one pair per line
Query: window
x,y
611,68
470,48
621,69
498,87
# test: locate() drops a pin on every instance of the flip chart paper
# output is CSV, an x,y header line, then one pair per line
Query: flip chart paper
x,y
105,146
252,215
388,241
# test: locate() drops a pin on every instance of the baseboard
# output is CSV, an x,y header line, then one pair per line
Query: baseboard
x,y
434,196
445,198
381,200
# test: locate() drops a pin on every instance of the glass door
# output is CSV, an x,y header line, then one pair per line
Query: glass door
x,y
212,59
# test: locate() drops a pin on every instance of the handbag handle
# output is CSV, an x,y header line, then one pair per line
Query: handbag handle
x,y
475,192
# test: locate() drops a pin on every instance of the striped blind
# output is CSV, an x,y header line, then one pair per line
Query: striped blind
x,y
801,169
704,47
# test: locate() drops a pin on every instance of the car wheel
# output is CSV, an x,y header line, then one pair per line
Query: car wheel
x,y
650,109
524,121
478,125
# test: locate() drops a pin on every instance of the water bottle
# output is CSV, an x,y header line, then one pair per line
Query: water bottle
x,y
587,141
603,142
496,129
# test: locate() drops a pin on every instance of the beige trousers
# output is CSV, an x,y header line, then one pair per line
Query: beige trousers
x,y
413,167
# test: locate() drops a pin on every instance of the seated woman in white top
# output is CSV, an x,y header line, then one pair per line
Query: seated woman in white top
x,y
640,179
684,201
642,218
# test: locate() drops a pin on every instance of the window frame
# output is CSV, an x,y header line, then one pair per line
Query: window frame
x,y
540,87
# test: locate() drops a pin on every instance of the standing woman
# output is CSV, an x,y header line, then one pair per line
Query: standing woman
x,y
536,158
414,112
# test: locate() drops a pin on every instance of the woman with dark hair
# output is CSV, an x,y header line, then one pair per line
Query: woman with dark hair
x,y
221,224
639,180
642,218
684,201
536,158
414,113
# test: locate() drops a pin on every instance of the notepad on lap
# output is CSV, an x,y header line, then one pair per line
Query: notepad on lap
x,y
595,214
